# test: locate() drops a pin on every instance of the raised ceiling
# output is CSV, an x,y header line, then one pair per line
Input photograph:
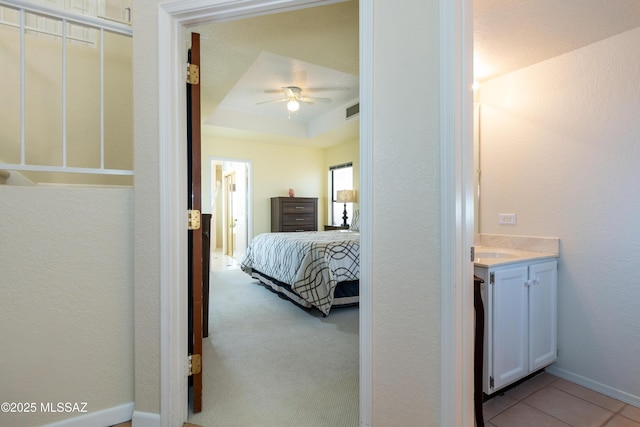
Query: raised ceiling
x,y
508,35
258,102
243,58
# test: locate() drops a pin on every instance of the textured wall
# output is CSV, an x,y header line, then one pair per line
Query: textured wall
x,y
559,143
406,215
66,298
147,206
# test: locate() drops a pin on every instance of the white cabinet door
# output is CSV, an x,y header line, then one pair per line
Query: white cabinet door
x,y
542,314
510,325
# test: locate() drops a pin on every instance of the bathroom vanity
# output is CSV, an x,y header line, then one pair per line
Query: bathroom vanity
x,y
519,293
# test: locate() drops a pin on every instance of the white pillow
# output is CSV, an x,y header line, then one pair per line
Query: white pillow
x,y
355,221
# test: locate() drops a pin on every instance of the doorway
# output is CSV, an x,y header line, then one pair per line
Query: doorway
x,y
229,176
230,192
173,19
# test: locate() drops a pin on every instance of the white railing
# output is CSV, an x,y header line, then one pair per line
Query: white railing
x,y
77,22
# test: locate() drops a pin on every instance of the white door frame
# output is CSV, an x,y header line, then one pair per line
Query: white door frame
x,y
457,210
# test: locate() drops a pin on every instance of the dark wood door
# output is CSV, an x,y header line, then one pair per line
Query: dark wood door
x,y
195,232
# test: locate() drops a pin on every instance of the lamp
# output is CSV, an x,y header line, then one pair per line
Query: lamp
x,y
345,196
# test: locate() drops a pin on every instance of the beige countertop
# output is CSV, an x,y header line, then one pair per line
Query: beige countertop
x,y
488,256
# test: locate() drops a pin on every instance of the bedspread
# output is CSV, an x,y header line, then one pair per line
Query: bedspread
x,y
312,263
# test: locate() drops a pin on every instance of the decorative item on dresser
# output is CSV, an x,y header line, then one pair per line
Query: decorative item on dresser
x,y
294,214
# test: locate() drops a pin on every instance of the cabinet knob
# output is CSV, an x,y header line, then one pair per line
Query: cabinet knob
x,y
528,283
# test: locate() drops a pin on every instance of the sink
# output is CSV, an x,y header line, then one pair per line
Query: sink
x,y
494,254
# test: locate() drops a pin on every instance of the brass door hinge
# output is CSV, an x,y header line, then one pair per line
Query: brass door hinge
x,y
195,364
492,278
194,219
193,74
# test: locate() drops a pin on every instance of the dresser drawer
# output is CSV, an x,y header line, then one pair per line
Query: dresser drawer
x,y
298,208
297,218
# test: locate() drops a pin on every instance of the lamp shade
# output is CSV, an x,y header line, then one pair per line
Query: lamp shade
x,y
345,196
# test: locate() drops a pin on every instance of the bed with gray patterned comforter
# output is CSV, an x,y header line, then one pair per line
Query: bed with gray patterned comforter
x,y
313,269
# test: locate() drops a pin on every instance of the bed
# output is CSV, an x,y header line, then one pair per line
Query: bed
x,y
312,269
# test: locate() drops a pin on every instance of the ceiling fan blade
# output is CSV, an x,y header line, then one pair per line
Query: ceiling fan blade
x,y
326,89
272,101
314,99
273,90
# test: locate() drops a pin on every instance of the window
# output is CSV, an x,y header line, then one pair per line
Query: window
x,y
340,178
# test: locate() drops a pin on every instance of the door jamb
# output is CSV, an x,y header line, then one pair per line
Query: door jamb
x,y
457,210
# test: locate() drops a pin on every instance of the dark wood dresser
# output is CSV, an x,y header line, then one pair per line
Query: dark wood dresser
x,y
294,214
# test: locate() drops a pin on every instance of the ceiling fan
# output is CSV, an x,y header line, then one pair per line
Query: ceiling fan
x,y
293,96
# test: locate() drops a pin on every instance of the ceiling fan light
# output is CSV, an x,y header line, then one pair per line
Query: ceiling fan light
x,y
293,105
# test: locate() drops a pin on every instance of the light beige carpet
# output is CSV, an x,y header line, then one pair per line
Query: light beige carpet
x,y
268,363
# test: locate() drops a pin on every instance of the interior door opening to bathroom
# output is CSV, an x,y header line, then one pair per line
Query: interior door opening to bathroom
x,y
230,208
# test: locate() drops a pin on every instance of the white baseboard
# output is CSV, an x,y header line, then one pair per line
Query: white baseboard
x,y
146,419
596,386
105,417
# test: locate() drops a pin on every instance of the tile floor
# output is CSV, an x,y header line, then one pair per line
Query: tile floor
x,y
546,400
